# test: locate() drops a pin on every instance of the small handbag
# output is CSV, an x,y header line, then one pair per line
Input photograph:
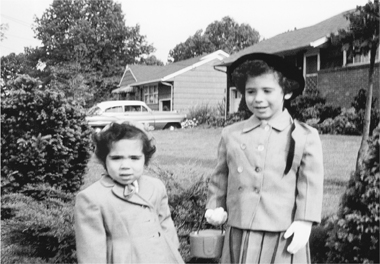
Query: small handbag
x,y
206,243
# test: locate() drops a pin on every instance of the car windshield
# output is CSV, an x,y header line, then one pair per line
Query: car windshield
x,y
94,111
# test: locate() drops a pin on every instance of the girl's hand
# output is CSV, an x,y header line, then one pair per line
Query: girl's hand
x,y
216,216
301,232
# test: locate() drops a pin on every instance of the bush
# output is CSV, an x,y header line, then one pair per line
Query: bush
x,y
355,234
44,138
318,236
343,124
187,200
205,115
38,228
306,106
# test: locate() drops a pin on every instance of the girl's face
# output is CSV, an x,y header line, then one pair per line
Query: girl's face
x,y
264,96
125,161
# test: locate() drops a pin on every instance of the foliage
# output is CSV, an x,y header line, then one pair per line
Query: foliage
x,y
151,60
363,31
206,115
343,124
361,38
86,46
187,200
91,32
226,35
355,236
13,65
38,225
44,138
189,123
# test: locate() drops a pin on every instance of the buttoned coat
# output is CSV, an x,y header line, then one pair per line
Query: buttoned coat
x,y
111,228
249,180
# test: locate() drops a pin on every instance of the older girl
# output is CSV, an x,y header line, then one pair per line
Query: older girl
x,y
269,175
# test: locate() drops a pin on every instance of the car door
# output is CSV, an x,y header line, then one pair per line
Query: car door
x,y
138,113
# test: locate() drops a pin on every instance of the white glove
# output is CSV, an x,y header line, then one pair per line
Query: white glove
x,y
301,232
216,216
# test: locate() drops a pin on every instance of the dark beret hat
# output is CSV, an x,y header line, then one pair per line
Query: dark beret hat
x,y
277,63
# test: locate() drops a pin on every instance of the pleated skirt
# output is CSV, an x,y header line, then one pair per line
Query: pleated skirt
x,y
247,246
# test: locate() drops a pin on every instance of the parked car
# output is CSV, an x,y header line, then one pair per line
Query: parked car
x,y
119,111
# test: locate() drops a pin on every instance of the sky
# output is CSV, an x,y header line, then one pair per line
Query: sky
x,y
166,23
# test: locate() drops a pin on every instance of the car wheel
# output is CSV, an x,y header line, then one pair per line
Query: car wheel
x,y
172,126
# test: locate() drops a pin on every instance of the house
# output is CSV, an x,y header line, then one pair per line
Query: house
x,y
177,86
325,66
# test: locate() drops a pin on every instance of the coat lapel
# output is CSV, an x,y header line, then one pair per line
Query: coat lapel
x,y
140,198
299,138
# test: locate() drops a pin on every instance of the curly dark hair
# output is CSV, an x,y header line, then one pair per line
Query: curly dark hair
x,y
253,68
115,132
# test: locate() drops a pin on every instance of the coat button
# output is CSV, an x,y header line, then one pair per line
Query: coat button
x,y
240,169
240,188
257,169
243,146
266,128
256,190
260,148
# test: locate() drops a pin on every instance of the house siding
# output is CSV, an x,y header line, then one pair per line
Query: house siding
x,y
200,86
341,85
128,79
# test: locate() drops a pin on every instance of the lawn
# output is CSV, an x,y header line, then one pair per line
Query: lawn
x,y
198,147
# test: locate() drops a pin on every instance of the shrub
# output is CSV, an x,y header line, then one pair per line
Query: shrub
x,y
38,228
205,115
306,106
201,113
187,200
318,236
355,234
343,124
44,138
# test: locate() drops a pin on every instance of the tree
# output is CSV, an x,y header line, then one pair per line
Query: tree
x,y
362,37
226,35
231,37
91,32
86,45
151,60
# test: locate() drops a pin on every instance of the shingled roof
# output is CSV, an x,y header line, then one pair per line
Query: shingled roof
x,y
290,42
147,73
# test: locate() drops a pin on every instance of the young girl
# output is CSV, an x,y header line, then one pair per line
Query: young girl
x,y
124,217
269,175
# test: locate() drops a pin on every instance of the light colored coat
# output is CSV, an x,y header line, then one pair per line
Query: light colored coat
x,y
110,228
249,181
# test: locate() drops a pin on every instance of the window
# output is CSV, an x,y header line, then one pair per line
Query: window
x,y
115,109
132,108
358,58
151,94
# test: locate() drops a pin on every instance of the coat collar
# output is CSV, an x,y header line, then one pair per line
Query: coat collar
x,y
279,123
141,198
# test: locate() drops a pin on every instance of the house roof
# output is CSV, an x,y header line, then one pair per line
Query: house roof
x,y
289,42
146,73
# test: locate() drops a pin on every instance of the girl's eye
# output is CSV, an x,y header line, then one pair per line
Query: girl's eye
x,y
115,157
135,157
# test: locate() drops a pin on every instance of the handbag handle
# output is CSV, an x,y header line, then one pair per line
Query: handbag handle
x,y
200,224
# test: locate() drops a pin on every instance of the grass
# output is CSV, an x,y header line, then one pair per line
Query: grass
x,y
198,147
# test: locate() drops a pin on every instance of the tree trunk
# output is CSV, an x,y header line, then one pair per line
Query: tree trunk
x,y
367,115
